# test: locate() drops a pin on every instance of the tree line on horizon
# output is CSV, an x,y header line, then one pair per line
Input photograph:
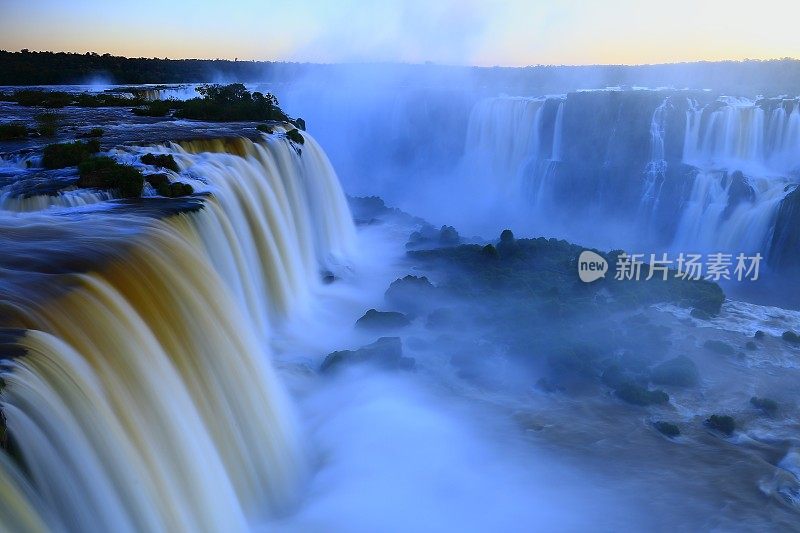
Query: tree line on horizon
x,y
747,77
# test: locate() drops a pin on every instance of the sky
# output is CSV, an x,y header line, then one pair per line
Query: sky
x,y
458,32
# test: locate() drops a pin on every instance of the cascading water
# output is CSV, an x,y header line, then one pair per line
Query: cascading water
x,y
139,391
730,135
513,146
710,181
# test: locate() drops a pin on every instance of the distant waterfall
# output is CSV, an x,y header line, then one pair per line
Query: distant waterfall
x,y
730,135
511,145
704,174
140,393
755,137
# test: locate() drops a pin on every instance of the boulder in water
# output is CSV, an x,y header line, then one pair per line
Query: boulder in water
x,y
765,405
791,337
667,429
295,136
411,293
161,160
386,353
374,319
678,372
720,347
638,395
723,423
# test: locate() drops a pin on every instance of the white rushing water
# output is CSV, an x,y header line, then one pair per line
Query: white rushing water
x,y
512,157
146,399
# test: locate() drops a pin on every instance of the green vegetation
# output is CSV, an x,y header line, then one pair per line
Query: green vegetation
x,y
68,154
25,67
161,160
58,99
667,429
106,174
47,124
266,128
226,103
547,270
13,130
723,423
156,108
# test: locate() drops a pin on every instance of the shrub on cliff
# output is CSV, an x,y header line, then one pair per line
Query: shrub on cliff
x,y
156,108
105,173
14,130
68,154
225,103
161,160
47,124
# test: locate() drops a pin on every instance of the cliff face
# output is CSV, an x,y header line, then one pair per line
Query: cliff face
x,y
784,252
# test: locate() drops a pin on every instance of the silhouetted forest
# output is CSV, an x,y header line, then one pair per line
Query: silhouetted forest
x,y
770,78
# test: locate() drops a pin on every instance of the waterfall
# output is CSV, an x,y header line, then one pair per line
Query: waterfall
x,y
711,222
140,393
736,134
657,167
512,146
520,148
63,199
746,135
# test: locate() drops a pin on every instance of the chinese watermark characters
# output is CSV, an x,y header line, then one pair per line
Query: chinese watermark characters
x,y
711,267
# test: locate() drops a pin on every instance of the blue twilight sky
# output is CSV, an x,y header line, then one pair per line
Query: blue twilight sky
x,y
490,32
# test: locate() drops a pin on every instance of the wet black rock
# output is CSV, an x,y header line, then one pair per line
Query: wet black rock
x,y
411,293
759,335
678,372
175,189
295,136
783,250
386,353
374,319
723,423
157,180
791,337
667,429
638,395
739,191
161,160
765,405
700,314
720,347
